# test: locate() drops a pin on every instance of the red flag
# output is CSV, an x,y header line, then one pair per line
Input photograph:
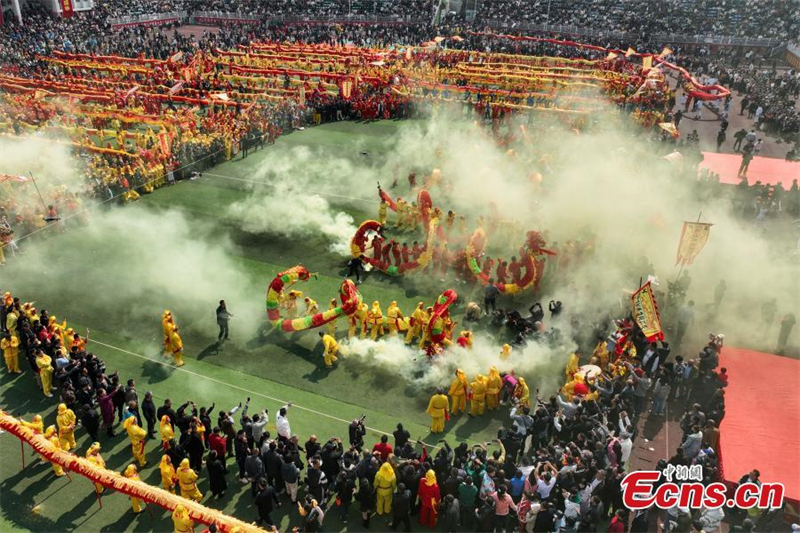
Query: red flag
x,y
67,9
385,196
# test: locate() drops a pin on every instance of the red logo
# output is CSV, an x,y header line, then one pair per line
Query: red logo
x,y
639,491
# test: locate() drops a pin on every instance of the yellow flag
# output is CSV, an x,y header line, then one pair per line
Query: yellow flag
x,y
630,52
611,55
647,63
665,52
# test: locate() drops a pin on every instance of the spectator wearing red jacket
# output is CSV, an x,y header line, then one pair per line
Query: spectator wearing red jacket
x,y
383,447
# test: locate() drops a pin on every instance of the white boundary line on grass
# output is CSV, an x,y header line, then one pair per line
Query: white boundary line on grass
x,y
254,393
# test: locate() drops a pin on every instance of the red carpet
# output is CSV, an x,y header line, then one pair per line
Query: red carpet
x,y
766,169
762,419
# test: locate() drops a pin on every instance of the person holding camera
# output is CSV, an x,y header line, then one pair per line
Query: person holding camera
x,y
356,432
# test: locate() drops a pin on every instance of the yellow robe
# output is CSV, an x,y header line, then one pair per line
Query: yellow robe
x,y
66,429
98,461
494,383
385,484
168,475
478,403
458,392
10,349
187,480
176,346
358,321
393,314
331,349
165,428
375,318
437,409
137,436
572,366
417,318
181,521
52,436
136,503
43,361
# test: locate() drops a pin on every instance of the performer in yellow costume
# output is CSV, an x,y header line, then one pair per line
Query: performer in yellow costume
x,y
181,521
36,425
458,392
132,473
393,317
168,474
51,435
137,436
425,337
375,319
11,321
402,214
10,347
331,328
187,479
385,485
93,455
167,325
176,346
505,353
311,306
437,409
358,320
43,362
66,427
331,349
166,431
572,365
601,354
494,384
478,403
382,212
522,393
417,318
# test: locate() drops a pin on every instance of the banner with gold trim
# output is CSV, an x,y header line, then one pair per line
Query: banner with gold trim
x,y
694,236
645,313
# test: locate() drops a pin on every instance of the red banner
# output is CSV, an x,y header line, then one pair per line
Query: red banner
x,y
67,9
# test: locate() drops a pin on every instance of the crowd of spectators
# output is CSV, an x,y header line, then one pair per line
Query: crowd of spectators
x,y
739,18
556,464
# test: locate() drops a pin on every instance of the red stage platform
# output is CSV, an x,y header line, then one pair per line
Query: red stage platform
x,y
765,169
761,428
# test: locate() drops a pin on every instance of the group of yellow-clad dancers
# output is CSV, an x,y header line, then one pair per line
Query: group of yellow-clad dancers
x,y
484,392
61,436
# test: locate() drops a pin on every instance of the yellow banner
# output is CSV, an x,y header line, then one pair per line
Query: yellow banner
x,y
694,236
645,313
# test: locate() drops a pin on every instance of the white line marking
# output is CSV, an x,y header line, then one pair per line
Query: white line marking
x,y
254,393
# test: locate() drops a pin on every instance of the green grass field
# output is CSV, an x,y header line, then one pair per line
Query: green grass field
x,y
66,273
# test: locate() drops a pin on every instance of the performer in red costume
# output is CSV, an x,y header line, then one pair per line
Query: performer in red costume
x,y
429,499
